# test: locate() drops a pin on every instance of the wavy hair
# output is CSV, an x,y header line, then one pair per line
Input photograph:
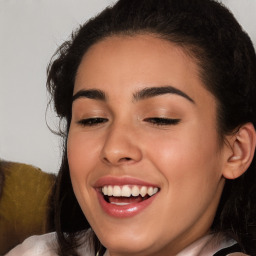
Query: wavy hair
x,y
209,33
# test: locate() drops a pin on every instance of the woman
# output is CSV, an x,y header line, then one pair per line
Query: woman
x,y
159,103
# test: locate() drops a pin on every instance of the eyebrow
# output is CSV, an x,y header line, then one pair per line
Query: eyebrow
x,y
145,93
150,92
94,94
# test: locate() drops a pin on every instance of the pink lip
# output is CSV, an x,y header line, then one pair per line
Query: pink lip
x,y
122,211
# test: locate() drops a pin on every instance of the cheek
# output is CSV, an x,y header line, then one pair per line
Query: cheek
x,y
81,153
190,160
81,159
192,172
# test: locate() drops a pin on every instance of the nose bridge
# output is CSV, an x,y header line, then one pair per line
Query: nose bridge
x,y
120,144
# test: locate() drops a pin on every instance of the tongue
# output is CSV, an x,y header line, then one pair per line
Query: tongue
x,y
137,199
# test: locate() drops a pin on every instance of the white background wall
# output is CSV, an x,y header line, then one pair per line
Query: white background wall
x,y
30,32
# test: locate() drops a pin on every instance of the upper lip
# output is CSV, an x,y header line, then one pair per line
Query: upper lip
x,y
121,181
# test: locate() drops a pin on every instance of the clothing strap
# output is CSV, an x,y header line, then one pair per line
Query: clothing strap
x,y
228,250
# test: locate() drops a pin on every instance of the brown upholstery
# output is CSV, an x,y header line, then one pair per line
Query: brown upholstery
x,y
25,203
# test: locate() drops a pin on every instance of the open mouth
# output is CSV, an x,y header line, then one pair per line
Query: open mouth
x,y
127,194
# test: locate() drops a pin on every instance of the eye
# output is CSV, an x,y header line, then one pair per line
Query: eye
x,y
92,121
161,121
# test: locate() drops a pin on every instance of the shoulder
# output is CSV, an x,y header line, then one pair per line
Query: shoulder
x,y
43,245
230,248
46,245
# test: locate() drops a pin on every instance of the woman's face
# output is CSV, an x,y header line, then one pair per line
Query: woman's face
x,y
143,131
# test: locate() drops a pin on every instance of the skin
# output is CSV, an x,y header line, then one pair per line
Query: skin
x,y
185,160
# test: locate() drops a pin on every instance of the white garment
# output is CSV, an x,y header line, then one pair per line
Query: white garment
x,y
45,245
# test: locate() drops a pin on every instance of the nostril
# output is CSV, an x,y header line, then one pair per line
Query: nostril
x,y
118,161
125,159
106,160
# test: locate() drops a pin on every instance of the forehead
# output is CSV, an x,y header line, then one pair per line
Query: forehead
x,y
145,48
140,60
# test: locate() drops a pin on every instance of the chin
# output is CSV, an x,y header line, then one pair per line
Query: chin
x,y
126,243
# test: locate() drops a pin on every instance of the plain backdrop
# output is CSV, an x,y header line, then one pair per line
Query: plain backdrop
x,y
30,32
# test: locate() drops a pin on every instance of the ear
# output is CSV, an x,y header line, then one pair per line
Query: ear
x,y
239,151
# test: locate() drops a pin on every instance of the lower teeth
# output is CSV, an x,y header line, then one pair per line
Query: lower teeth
x,y
120,203
126,200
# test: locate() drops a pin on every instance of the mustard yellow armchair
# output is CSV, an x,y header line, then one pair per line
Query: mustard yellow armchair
x,y
25,203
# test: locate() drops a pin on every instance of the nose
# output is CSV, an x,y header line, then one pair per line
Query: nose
x,y
121,146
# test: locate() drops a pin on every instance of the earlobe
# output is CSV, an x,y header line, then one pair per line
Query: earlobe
x,y
241,151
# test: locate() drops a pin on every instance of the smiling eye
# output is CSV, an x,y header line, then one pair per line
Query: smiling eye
x,y
162,121
92,121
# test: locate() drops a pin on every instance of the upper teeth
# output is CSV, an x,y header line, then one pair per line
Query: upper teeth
x,y
128,190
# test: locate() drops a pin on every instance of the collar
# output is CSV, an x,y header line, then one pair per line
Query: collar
x,y
205,246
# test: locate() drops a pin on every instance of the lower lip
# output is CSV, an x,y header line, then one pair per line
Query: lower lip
x,y
124,211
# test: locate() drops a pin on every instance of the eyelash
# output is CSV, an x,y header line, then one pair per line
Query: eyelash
x,y
92,121
159,121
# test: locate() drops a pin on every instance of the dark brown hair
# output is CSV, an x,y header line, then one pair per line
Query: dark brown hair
x,y
224,52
